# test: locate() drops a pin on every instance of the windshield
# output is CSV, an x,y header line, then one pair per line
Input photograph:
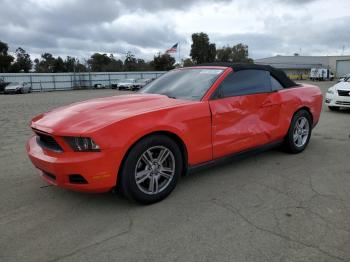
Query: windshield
x,y
14,84
128,81
189,84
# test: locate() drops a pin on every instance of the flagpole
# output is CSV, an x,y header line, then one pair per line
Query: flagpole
x,y
179,54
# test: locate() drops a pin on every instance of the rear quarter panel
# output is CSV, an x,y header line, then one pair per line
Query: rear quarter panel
x,y
293,99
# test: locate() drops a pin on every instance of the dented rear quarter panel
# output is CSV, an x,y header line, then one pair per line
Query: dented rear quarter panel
x,y
303,96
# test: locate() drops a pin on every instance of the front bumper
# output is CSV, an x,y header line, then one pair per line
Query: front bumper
x,y
12,91
99,169
336,100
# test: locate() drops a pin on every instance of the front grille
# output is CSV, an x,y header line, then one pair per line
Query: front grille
x,y
343,103
48,142
343,92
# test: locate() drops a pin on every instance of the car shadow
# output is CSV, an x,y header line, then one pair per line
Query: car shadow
x,y
341,111
115,199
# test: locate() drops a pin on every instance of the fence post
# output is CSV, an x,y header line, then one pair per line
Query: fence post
x,y
54,82
71,82
31,81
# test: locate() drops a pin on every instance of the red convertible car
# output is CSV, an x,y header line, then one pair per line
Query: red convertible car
x,y
142,143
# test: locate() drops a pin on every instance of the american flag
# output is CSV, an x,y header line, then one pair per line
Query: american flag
x,y
173,49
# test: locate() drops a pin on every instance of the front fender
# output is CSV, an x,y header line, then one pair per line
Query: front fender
x,y
191,123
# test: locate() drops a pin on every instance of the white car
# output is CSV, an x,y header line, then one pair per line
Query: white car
x,y
342,79
18,88
140,83
99,86
339,95
126,84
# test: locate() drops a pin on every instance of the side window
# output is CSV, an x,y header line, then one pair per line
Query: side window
x,y
245,82
276,85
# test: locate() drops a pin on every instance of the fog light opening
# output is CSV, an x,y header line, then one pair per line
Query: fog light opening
x,y
77,179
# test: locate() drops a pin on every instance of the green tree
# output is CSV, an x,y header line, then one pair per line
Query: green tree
x,y
142,65
59,65
240,54
104,63
202,51
115,65
37,65
130,62
187,62
236,54
224,54
163,62
80,67
5,58
46,64
23,62
98,62
70,64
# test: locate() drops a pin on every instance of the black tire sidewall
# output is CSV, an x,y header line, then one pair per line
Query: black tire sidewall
x,y
127,177
292,148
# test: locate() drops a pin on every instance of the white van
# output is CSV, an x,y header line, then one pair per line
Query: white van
x,y
321,74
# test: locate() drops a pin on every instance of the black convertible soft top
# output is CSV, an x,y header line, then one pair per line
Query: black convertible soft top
x,y
276,73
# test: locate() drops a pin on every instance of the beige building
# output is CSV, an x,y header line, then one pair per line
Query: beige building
x,y
298,67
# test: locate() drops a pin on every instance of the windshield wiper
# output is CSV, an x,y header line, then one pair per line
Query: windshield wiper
x,y
172,97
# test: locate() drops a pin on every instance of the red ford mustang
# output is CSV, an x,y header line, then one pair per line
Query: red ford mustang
x,y
143,142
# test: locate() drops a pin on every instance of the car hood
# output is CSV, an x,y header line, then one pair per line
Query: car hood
x,y
89,116
342,86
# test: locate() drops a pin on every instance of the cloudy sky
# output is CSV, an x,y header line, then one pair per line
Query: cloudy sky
x,y
81,27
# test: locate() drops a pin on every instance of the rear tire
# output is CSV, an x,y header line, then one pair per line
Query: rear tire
x,y
334,108
299,132
151,169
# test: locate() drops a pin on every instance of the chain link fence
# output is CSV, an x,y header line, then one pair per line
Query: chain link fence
x,y
41,82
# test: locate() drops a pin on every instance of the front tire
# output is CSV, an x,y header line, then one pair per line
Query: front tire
x,y
299,132
151,169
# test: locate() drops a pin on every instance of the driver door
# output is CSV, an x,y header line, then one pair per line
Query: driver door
x,y
245,112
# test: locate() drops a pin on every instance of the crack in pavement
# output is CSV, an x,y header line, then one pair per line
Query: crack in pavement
x,y
96,243
307,208
234,210
335,197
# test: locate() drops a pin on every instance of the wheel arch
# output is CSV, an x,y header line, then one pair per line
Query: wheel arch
x,y
307,109
178,140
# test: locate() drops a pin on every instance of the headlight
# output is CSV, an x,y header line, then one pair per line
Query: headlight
x,y
331,91
82,144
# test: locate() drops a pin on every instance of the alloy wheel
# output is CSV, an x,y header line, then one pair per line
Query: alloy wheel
x,y
301,131
155,170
